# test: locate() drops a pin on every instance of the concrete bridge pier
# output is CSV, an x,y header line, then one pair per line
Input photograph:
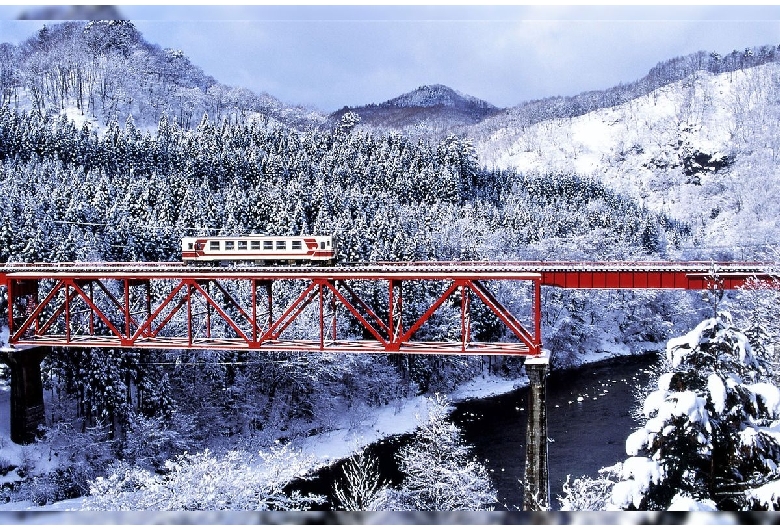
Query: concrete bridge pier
x,y
536,496
27,408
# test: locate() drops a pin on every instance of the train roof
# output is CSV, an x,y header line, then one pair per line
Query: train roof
x,y
256,236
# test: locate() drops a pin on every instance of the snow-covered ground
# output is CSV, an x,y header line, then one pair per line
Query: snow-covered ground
x,y
394,419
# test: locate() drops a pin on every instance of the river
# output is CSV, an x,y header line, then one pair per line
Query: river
x,y
588,420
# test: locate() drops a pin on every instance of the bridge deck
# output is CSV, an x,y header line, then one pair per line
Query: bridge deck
x,y
577,275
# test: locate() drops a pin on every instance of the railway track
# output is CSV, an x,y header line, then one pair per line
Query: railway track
x,y
379,267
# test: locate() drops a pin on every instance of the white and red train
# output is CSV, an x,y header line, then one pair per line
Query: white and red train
x,y
258,250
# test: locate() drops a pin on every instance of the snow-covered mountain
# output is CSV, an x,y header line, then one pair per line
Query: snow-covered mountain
x,y
103,71
430,110
697,139
703,149
440,96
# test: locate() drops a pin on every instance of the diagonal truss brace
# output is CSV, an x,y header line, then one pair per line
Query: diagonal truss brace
x,y
187,299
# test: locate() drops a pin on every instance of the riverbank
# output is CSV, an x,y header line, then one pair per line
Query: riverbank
x,y
405,417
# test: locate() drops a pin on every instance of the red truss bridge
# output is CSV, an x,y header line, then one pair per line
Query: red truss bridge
x,y
358,308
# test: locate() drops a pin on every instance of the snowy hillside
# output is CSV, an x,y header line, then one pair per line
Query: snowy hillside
x,y
703,150
156,150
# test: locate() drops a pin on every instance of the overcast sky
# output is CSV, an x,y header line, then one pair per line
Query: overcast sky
x,y
331,56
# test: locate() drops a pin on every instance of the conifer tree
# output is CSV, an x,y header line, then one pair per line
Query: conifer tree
x,y
710,437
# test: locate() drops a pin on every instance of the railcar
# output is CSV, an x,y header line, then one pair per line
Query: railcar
x,y
258,250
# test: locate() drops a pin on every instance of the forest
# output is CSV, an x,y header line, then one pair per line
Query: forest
x,y
105,69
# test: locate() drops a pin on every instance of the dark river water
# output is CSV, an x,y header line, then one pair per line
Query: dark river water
x,y
588,421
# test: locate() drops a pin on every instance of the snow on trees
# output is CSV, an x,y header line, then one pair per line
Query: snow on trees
x,y
387,196
712,435
440,473
587,493
757,313
362,488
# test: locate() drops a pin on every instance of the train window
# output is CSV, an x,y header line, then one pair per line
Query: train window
x,y
213,245
322,245
281,245
190,246
296,245
268,245
255,245
242,245
229,245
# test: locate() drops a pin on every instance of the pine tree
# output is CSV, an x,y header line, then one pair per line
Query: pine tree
x,y
710,437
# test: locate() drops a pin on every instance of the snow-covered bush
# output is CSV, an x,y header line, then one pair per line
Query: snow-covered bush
x,y
587,493
150,442
237,480
712,433
61,465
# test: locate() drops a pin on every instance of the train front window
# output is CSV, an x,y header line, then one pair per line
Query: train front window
x,y
213,245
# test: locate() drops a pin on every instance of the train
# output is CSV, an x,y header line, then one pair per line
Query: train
x,y
259,250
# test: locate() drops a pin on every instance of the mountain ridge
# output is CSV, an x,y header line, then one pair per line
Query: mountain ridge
x,y
104,71
703,149
143,80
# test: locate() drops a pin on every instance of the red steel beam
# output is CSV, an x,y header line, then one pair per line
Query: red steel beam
x,y
358,315
639,279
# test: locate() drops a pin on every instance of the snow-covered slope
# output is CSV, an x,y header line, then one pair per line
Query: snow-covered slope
x,y
704,150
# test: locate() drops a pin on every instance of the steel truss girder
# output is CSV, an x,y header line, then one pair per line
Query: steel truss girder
x,y
205,313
